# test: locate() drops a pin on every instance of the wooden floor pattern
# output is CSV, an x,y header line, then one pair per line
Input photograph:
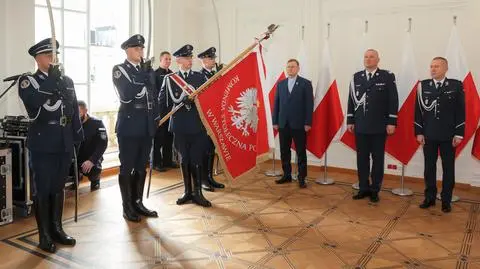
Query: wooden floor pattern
x,y
255,223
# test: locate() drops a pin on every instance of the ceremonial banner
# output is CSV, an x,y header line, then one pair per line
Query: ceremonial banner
x,y
229,109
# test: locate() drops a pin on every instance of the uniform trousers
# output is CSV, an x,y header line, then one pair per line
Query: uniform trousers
x,y
447,153
370,145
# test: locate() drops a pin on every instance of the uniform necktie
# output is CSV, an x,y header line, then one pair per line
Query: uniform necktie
x,y
137,67
370,76
185,75
439,84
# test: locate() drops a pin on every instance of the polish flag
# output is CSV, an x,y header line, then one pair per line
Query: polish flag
x,y
327,115
403,144
458,69
265,137
476,145
275,72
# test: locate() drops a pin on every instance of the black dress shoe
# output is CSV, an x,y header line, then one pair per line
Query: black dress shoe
x,y
159,168
427,203
446,207
94,185
360,195
172,165
302,184
284,179
374,197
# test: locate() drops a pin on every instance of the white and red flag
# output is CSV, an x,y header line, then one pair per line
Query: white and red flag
x,y
327,113
403,144
458,69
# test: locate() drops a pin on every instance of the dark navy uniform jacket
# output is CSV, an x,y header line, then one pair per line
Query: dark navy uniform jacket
x,y
295,108
440,113
137,112
207,73
186,120
53,110
95,143
372,104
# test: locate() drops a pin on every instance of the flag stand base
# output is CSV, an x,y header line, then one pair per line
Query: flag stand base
x,y
454,198
325,181
273,172
402,191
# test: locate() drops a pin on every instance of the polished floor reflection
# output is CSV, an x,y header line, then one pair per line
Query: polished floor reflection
x,y
257,224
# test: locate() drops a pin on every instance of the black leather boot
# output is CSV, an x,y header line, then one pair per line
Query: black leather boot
x,y
206,184
139,185
198,197
56,229
209,168
42,215
187,182
127,196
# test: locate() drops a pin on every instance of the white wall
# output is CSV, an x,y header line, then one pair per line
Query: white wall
x,y
17,26
193,21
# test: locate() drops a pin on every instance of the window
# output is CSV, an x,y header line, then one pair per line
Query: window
x,y
90,33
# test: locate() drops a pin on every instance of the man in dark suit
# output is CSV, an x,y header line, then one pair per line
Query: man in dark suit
x,y
190,136
292,116
210,67
162,151
90,153
372,115
51,103
439,129
134,81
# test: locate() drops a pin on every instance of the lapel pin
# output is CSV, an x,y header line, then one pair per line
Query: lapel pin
x,y
431,83
446,83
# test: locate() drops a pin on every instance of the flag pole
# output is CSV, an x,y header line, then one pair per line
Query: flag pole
x,y
273,172
356,185
402,191
325,180
266,35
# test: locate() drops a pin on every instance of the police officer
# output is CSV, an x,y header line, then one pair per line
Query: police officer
x,y
162,152
210,67
135,81
91,150
50,100
190,137
439,125
372,115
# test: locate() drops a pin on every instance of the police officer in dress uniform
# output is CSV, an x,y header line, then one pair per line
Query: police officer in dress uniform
x,y
51,104
91,150
439,125
372,115
162,152
135,83
210,67
190,136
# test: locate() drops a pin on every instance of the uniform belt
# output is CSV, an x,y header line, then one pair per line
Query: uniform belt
x,y
149,106
61,122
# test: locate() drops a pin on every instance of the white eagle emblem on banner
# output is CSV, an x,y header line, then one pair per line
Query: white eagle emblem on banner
x,y
246,116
